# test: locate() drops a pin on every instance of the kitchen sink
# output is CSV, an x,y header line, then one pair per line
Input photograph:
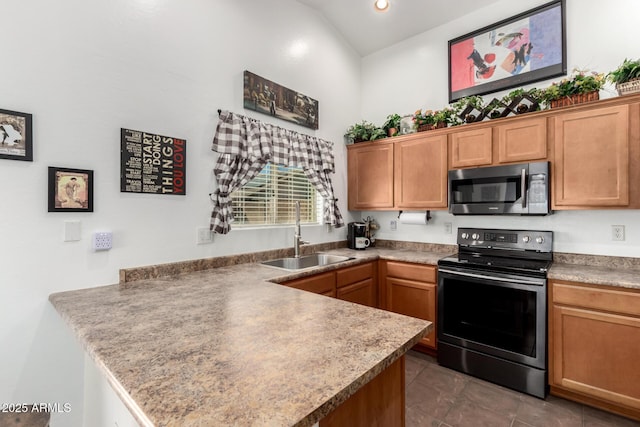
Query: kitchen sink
x,y
307,261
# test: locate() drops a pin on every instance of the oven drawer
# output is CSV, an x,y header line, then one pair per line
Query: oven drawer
x,y
401,270
606,298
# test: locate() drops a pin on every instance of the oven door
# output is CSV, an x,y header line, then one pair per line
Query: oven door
x,y
502,315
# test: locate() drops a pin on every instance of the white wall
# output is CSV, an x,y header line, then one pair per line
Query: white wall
x,y
413,74
84,69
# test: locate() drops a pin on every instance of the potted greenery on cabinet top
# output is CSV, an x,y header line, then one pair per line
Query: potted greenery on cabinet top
x,y
469,109
626,77
581,87
364,131
392,125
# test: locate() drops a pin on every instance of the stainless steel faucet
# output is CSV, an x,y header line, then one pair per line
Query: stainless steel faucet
x,y
297,238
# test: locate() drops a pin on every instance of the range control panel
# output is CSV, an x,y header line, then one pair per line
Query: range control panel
x,y
541,241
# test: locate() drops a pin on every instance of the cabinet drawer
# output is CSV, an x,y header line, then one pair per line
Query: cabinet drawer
x,y
354,274
600,298
401,270
320,284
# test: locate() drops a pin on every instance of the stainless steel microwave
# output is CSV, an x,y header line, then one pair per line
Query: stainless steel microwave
x,y
521,189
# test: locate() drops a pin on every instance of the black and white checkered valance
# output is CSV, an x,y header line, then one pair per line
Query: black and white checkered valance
x,y
246,145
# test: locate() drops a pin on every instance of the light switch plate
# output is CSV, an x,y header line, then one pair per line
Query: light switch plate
x,y
71,231
203,236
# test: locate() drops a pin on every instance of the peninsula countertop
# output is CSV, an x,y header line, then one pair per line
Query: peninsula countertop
x,y
227,347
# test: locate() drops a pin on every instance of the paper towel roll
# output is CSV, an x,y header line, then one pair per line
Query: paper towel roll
x,y
413,218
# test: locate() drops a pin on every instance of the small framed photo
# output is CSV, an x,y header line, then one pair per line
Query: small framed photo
x,y
16,141
70,190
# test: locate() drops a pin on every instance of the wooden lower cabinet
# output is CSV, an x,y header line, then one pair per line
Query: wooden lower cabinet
x,y
379,403
358,284
323,283
411,289
594,345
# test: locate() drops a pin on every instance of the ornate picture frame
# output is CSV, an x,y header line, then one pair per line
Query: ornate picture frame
x,y
525,48
70,190
16,136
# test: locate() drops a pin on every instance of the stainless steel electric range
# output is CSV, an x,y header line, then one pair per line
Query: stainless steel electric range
x,y
492,307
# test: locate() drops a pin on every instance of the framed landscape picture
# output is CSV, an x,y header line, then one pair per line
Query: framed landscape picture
x,y
70,190
267,97
16,142
525,48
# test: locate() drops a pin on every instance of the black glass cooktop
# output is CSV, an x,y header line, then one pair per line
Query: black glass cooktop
x,y
534,267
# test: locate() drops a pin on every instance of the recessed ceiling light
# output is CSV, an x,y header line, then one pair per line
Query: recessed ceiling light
x,y
381,5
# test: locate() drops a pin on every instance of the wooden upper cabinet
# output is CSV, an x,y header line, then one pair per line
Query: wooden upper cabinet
x,y
471,148
370,175
421,172
591,158
521,140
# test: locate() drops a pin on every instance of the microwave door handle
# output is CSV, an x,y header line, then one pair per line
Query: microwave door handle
x,y
523,187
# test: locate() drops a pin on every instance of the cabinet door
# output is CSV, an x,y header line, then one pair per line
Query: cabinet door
x,y
522,140
324,284
591,158
421,172
412,298
370,176
471,148
596,354
363,292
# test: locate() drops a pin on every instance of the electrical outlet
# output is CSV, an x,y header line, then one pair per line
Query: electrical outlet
x,y
448,227
102,240
617,232
394,225
203,236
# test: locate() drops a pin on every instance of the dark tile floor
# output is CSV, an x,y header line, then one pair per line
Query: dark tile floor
x,y
441,397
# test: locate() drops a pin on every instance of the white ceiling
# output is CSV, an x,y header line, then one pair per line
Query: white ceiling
x,y
368,31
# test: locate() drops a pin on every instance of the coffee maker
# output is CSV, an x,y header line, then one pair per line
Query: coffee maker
x,y
357,236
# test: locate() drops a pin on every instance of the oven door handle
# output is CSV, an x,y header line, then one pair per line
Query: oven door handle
x,y
496,277
523,188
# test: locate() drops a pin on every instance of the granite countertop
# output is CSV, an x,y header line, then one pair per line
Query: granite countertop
x,y
209,342
596,275
228,347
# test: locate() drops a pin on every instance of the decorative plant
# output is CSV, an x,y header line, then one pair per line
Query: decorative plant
x,y
628,70
392,125
469,109
579,82
523,100
365,131
447,115
426,118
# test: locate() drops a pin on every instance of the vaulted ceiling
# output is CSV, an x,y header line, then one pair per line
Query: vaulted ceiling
x,y
368,30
